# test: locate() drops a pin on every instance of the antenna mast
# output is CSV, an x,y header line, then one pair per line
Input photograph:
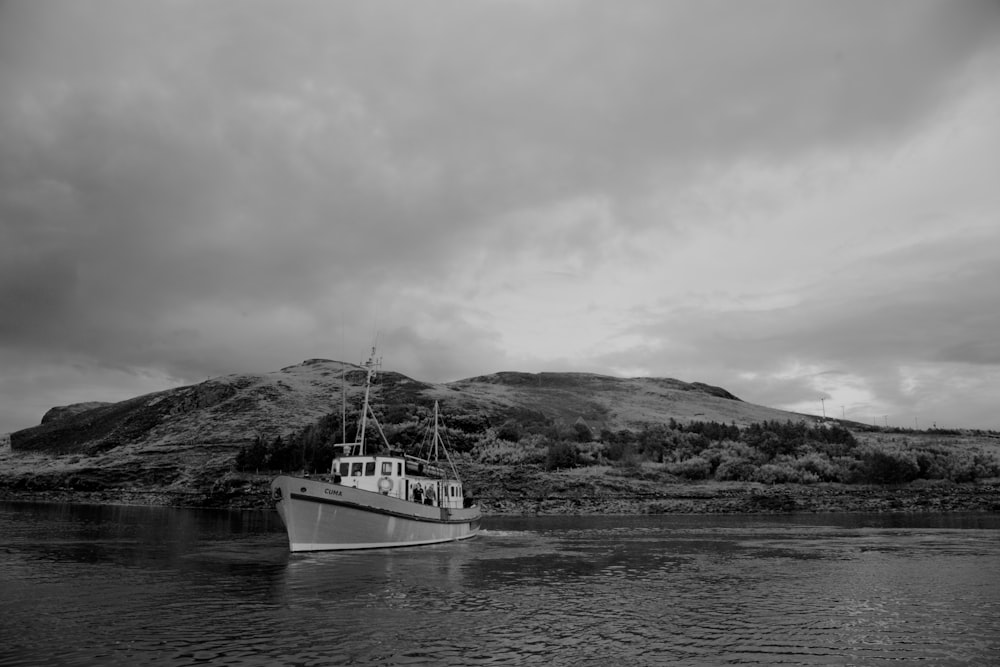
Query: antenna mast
x,y
343,402
372,366
343,391
436,435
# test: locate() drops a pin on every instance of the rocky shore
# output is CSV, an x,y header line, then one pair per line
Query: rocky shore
x,y
610,491
739,498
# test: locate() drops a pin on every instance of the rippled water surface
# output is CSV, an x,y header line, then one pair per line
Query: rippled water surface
x,y
87,585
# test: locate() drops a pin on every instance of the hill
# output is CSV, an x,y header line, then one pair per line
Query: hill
x,y
184,438
182,445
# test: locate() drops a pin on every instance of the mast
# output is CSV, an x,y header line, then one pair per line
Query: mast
x,y
436,435
436,457
371,365
343,390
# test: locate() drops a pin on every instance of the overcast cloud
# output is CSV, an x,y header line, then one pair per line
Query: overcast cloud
x,y
794,200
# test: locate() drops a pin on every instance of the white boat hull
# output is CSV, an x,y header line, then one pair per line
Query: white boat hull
x,y
320,516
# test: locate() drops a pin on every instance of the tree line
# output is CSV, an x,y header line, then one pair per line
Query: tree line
x,y
768,451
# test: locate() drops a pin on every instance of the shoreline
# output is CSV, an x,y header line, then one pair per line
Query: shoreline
x,y
691,498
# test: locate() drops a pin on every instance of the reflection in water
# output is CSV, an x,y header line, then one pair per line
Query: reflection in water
x,y
132,585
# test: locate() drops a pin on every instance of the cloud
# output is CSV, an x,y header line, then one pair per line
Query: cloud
x,y
197,188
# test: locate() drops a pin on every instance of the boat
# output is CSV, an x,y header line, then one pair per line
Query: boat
x,y
376,500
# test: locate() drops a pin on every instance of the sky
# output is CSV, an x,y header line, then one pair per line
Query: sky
x,y
795,200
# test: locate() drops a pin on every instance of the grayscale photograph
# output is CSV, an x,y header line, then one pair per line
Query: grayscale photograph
x,y
499,332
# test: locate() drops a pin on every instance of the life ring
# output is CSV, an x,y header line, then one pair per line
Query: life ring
x,y
384,484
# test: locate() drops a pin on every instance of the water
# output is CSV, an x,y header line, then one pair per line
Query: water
x,y
90,585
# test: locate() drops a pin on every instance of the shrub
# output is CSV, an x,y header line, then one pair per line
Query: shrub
x,y
654,440
734,470
774,439
511,431
817,465
628,459
783,473
882,464
589,453
731,461
582,432
846,469
695,467
690,444
957,466
618,451
560,454
493,451
986,465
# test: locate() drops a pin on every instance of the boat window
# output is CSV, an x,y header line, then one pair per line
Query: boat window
x,y
369,468
345,468
399,469
355,468
386,467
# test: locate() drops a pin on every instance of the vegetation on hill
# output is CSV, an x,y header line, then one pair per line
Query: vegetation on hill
x,y
768,452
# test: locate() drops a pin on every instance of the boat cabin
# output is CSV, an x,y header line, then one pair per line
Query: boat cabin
x,y
394,476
